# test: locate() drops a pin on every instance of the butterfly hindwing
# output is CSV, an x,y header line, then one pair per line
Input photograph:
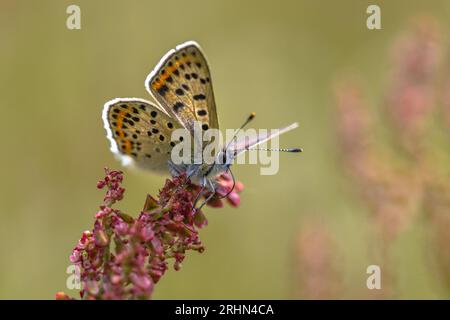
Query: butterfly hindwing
x,y
181,83
140,132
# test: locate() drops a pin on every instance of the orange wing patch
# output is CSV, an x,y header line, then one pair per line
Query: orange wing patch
x,y
182,85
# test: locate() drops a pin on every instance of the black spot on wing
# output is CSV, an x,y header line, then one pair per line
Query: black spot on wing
x,y
199,97
178,106
163,89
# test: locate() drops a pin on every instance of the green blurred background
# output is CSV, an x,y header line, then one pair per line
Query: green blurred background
x,y
278,58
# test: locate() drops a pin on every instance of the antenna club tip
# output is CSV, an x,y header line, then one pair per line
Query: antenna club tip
x,y
297,150
252,115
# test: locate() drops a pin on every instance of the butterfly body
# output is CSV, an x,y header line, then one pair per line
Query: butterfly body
x,y
198,173
140,132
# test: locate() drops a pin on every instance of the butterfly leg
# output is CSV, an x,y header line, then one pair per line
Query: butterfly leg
x,y
213,192
199,193
176,170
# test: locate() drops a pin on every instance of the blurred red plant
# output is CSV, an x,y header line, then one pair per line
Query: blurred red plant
x,y
123,257
316,274
410,99
437,204
396,185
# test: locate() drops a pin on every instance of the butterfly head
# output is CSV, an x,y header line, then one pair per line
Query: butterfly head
x,y
225,156
221,164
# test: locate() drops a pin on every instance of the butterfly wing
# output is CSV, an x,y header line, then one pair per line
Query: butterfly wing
x,y
246,143
139,132
181,83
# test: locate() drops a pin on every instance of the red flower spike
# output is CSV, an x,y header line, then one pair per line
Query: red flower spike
x,y
166,229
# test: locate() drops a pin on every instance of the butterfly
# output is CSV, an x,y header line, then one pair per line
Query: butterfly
x,y
140,131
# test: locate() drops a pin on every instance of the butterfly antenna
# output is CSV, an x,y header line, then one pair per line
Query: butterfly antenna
x,y
250,118
294,150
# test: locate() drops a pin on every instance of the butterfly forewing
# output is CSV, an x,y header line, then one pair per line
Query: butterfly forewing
x,y
140,131
181,83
